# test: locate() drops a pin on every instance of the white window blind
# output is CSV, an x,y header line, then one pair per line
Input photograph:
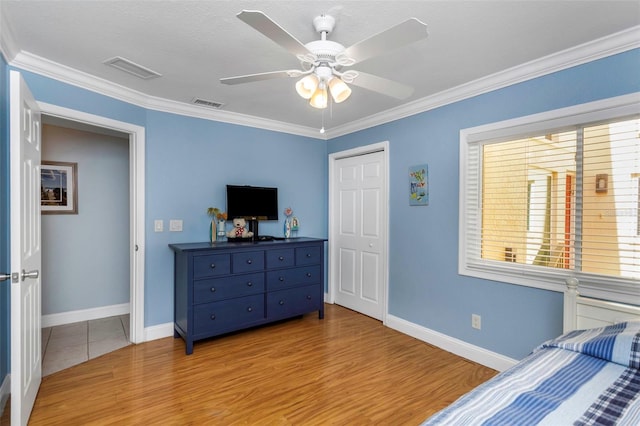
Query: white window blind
x,y
553,196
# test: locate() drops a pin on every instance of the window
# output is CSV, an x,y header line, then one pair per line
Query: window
x,y
553,196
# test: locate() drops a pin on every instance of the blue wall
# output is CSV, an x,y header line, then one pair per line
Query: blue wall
x,y
5,286
188,163
424,285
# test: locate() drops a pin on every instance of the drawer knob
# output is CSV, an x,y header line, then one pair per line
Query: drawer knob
x,y
213,289
308,297
281,302
281,279
249,261
308,254
250,284
213,266
213,316
249,309
308,274
280,258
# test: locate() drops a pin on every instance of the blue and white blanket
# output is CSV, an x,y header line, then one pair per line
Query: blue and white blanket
x,y
584,377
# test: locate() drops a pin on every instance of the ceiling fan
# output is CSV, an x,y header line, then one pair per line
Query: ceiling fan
x,y
323,62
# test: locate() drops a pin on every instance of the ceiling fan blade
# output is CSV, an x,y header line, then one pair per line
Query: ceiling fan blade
x,y
240,79
262,23
382,85
402,34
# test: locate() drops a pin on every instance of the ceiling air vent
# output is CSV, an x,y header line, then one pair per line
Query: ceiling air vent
x,y
132,68
204,102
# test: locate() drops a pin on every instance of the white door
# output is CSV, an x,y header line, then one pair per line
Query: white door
x,y
25,151
359,246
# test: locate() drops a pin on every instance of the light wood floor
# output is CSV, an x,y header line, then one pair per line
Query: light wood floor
x,y
347,369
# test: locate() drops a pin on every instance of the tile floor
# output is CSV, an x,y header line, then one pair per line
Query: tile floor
x,y
64,346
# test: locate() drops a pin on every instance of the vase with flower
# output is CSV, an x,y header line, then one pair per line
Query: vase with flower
x,y
218,220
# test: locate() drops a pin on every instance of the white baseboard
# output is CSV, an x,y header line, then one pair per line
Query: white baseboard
x,y
5,392
159,331
450,344
52,320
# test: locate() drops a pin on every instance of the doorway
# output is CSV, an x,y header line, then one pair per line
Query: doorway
x,y
358,229
135,245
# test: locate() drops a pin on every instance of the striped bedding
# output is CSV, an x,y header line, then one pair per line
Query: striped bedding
x,y
584,377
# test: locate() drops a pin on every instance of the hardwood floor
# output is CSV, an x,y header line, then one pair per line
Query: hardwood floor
x,y
345,369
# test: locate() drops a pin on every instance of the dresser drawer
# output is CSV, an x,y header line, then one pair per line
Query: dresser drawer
x,y
280,258
211,265
307,255
213,289
293,277
249,261
293,301
228,315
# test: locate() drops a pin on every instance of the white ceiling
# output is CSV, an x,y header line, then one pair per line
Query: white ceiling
x,y
195,43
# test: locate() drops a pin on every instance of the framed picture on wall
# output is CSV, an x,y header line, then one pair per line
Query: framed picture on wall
x,y
59,187
419,185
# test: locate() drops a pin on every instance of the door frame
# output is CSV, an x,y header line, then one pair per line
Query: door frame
x,y
333,224
136,207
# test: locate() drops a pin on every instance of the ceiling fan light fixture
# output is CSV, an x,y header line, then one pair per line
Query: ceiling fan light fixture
x,y
320,97
339,90
307,86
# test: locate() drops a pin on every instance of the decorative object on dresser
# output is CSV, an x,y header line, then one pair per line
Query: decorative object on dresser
x,y
227,287
218,218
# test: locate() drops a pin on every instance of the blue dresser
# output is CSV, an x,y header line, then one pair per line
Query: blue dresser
x,y
223,287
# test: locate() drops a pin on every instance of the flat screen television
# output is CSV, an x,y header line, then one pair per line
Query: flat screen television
x,y
252,202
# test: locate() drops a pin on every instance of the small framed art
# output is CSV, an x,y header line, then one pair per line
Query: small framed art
x,y
419,185
58,187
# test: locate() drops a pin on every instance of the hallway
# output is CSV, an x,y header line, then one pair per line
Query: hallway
x,y
64,346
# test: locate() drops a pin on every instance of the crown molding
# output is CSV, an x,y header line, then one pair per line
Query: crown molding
x,y
596,49
578,55
8,47
42,66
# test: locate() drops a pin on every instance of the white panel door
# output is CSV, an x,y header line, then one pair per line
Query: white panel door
x,y
25,147
359,212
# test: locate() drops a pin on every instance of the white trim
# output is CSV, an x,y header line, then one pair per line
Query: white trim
x,y
137,144
458,347
597,49
5,392
45,67
581,54
611,288
367,149
159,331
70,317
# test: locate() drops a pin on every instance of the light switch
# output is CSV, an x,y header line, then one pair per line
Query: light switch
x,y
158,225
175,225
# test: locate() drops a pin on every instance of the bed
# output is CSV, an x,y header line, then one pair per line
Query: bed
x,y
588,376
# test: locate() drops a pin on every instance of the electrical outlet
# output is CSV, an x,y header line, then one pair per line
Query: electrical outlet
x,y
476,321
158,225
